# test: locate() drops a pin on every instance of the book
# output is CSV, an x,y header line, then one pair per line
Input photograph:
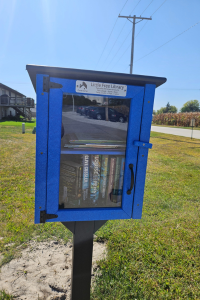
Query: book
x,y
111,178
85,181
104,176
121,179
94,178
70,183
116,180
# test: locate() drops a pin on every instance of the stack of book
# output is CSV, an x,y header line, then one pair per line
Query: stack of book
x,y
91,180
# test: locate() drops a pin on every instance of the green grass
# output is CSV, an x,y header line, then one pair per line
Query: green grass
x,y
156,257
17,177
28,124
5,296
172,126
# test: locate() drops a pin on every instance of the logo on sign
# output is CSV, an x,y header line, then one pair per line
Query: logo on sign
x,y
82,86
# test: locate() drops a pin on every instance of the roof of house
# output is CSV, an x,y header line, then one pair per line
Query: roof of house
x,y
88,75
11,90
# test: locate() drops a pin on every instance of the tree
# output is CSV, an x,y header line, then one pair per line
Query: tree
x,y
191,106
167,109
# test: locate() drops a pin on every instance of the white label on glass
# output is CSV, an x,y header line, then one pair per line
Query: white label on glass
x,y
110,89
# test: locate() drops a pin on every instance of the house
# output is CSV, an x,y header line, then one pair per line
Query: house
x,y
13,103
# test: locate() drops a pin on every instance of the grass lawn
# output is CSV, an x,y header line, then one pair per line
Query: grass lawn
x,y
28,124
156,257
172,126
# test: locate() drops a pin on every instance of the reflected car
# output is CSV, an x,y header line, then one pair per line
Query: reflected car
x,y
116,116
84,110
99,113
79,109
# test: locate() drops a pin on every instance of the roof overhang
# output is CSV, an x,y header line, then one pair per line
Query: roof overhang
x,y
11,90
98,76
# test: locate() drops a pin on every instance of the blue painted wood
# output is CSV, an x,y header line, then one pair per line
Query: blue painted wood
x,y
84,214
143,152
132,152
75,151
54,147
41,148
142,144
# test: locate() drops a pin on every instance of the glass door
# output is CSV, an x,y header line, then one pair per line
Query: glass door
x,y
93,147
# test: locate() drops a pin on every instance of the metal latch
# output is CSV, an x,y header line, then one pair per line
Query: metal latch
x,y
142,144
44,216
50,85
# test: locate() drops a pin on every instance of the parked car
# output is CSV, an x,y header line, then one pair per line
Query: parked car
x,y
99,113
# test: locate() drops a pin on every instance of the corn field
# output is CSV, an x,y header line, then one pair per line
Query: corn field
x,y
177,119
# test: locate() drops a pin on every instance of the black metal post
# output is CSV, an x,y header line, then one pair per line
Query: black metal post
x,y
82,257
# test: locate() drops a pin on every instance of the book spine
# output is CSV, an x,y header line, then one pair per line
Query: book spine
x,y
104,173
94,178
85,182
121,179
116,180
111,178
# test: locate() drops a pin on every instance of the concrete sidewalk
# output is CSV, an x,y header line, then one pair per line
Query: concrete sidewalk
x,y
177,131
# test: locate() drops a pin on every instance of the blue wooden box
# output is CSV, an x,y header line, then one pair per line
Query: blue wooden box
x,y
50,83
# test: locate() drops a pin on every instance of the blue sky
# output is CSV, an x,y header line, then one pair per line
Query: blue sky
x,y
73,34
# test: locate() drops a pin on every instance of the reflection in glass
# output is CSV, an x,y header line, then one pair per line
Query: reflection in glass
x,y
93,144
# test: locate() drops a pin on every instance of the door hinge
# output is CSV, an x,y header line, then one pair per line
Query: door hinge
x,y
50,85
44,216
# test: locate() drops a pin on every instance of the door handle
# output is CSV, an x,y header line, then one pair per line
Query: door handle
x,y
132,179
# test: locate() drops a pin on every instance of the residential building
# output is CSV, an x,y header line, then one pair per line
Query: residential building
x,y
13,103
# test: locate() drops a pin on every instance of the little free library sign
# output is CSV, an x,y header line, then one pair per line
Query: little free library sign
x,y
92,142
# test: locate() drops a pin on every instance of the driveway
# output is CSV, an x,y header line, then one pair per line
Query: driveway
x,y
177,131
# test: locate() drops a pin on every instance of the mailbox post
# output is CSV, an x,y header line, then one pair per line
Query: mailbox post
x,y
92,141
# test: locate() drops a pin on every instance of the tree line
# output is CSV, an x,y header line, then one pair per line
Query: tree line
x,y
189,106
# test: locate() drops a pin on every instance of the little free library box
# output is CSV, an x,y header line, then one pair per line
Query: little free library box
x,y
92,141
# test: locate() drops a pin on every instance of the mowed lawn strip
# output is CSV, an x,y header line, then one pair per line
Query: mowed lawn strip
x,y
17,194
158,257
153,258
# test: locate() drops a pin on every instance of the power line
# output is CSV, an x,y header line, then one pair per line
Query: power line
x,y
151,15
111,33
147,7
115,41
119,48
159,7
136,35
168,41
121,30
135,6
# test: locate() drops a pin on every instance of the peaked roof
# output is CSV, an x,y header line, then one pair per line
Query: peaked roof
x,y
120,78
11,90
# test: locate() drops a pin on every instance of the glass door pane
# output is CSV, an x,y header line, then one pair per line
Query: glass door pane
x,y
93,145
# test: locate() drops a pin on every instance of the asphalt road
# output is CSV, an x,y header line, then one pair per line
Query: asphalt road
x,y
78,127
177,131
85,128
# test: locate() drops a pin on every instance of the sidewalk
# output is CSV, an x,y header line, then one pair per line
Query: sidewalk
x,y
177,131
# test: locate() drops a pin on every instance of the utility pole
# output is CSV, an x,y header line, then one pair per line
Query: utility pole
x,y
133,34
